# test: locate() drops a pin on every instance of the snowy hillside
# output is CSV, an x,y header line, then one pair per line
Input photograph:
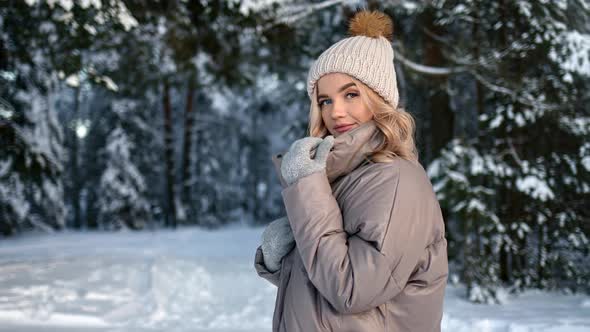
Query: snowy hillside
x,y
194,280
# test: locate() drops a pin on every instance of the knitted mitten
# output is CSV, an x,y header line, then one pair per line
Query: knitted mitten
x,y
298,162
277,241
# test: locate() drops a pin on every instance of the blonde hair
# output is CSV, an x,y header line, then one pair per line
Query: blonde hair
x,y
397,127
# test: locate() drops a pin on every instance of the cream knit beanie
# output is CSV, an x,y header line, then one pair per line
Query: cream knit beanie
x,y
367,56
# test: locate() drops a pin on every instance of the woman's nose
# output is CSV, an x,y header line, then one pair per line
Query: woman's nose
x,y
338,110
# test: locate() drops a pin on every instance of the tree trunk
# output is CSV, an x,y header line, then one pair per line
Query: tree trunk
x,y
187,143
540,260
441,116
77,223
169,152
478,85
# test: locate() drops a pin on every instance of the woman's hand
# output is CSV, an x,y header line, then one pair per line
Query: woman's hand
x,y
298,162
277,241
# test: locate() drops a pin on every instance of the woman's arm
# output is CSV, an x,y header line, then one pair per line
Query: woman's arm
x,y
356,273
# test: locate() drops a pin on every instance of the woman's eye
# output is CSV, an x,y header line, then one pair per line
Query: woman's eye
x,y
321,103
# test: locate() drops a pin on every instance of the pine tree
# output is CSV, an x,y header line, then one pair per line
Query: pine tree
x,y
122,201
41,44
31,191
517,191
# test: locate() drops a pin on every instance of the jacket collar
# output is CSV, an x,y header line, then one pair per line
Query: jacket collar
x,y
349,151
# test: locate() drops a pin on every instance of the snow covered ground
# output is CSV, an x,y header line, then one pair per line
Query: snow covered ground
x,y
195,280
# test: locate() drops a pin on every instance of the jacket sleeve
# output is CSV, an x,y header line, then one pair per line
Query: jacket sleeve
x,y
262,271
358,272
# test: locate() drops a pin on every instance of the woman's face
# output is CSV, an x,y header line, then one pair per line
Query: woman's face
x,y
340,103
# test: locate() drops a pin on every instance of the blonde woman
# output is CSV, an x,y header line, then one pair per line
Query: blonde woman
x,y
363,246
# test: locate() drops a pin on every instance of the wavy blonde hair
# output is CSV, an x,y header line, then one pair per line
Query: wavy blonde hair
x,y
397,127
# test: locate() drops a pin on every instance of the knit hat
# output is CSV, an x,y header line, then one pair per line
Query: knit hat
x,y
367,56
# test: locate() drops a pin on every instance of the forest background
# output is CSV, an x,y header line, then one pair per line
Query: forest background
x,y
147,115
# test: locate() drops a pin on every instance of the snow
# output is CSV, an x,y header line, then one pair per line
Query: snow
x,y
196,280
73,80
579,125
457,177
65,4
40,137
122,187
12,195
120,12
477,165
87,3
433,169
91,30
125,17
82,127
525,8
532,311
535,186
5,166
496,122
472,205
300,86
576,57
5,113
459,9
410,6
424,69
255,5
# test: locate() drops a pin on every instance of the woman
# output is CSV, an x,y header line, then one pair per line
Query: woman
x,y
362,247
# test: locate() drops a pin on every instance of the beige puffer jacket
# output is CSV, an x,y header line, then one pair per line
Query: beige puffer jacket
x,y
371,252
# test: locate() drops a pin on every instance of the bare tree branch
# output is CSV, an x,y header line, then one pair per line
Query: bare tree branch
x,y
515,95
446,71
427,70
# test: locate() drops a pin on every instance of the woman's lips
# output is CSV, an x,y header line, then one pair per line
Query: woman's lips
x,y
344,128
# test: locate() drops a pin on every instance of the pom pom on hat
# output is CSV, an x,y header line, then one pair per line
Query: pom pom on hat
x,y
371,24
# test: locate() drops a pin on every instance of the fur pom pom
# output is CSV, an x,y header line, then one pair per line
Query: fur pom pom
x,y
371,24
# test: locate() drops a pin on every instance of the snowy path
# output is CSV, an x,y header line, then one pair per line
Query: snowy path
x,y
194,280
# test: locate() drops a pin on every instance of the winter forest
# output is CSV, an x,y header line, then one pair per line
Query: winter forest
x,y
136,117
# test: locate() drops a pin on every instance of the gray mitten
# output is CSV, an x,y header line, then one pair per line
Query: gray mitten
x,y
277,241
298,162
